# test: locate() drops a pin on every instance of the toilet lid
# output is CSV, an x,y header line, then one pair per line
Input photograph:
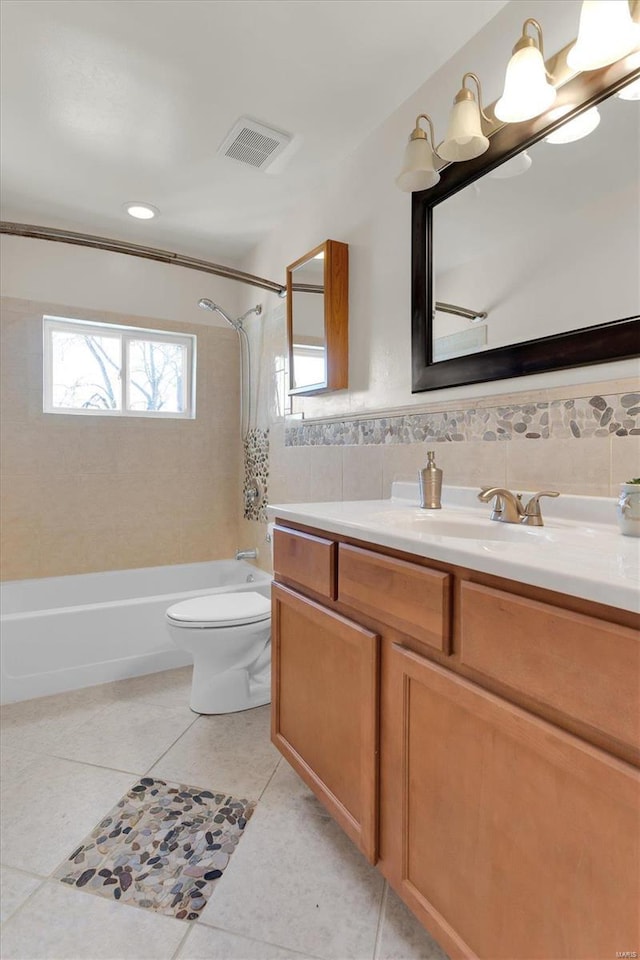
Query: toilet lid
x,y
222,609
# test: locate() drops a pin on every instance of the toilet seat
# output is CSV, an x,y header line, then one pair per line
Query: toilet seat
x,y
221,610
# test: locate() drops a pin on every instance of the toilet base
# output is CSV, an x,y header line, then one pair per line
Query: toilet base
x,y
230,691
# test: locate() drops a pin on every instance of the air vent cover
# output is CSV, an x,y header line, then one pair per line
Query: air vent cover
x,y
254,143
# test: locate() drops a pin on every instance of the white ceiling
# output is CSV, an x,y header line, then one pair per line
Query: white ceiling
x,y
105,101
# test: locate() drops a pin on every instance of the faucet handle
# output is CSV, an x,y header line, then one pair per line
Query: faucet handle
x,y
532,514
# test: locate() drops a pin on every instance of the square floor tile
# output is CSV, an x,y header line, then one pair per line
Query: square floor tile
x,y
231,751
42,724
298,881
163,846
59,924
402,937
205,943
48,803
126,736
15,887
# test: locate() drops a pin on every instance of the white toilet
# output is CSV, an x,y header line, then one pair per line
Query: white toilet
x,y
229,637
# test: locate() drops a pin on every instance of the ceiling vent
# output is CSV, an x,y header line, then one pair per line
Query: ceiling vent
x,y
254,143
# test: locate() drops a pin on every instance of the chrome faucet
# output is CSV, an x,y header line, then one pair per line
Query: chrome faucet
x,y
508,507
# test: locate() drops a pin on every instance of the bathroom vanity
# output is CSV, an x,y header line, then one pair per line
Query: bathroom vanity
x,y
463,700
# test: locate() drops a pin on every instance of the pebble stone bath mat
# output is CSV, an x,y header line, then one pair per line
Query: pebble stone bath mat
x,y
163,846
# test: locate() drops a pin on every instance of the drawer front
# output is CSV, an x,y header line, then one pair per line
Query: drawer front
x,y
587,668
305,561
408,597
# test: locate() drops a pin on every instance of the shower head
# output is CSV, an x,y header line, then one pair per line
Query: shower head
x,y
205,304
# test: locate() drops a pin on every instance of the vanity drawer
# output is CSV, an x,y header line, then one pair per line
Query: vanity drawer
x,y
412,599
305,561
584,667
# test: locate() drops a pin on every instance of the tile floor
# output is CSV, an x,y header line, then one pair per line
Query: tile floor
x,y
295,887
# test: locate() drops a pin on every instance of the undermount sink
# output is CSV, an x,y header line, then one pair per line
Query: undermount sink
x,y
465,526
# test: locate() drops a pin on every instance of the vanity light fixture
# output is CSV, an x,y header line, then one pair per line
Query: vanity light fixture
x,y
141,211
606,34
631,91
527,91
581,126
465,139
418,169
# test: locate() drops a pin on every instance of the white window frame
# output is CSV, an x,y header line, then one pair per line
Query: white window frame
x,y
125,334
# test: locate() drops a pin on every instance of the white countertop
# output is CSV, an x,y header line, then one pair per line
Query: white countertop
x,y
579,550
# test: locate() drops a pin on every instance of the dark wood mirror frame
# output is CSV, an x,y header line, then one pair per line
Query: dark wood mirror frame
x,y
336,317
615,340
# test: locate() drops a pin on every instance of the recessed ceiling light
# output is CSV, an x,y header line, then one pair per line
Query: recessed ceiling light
x,y
141,211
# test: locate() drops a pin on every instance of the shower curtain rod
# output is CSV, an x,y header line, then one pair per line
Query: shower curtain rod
x,y
138,250
460,311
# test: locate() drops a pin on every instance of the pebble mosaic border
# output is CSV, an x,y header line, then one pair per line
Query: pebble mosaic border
x,y
597,416
256,468
163,846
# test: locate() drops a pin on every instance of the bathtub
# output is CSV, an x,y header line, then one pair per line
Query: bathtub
x,y
61,633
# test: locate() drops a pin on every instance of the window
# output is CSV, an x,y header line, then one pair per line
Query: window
x,y
108,370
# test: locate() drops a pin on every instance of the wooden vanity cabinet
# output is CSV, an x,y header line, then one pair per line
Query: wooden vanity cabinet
x,y
459,698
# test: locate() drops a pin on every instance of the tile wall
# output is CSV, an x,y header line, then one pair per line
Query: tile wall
x,y
82,494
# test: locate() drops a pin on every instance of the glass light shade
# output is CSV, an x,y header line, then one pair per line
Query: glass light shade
x,y
606,34
418,170
631,91
512,168
581,126
465,139
527,91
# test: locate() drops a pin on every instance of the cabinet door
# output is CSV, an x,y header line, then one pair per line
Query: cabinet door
x,y
518,840
324,709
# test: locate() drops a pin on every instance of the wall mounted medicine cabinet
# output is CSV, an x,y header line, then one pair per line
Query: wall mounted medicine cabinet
x,y
318,320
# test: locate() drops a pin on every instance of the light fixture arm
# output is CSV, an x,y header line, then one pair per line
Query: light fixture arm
x,y
419,134
527,41
463,92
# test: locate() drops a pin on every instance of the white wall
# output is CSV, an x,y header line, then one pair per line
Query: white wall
x,y
60,273
358,203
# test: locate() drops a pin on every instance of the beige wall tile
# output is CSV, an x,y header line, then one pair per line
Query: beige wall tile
x,y
401,461
85,493
625,461
569,466
325,473
362,472
475,463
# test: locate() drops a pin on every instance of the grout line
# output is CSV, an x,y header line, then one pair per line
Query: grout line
x,y
89,763
171,746
178,950
381,917
266,786
268,943
21,906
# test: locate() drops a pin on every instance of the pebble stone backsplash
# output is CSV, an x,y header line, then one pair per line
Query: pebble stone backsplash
x,y
163,846
256,468
597,416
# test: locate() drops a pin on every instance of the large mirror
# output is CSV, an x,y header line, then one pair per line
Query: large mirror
x,y
317,320
527,259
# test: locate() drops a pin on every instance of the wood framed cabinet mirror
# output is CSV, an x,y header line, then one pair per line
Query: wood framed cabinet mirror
x,y
318,320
